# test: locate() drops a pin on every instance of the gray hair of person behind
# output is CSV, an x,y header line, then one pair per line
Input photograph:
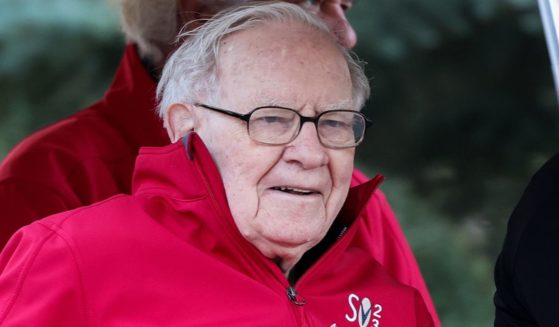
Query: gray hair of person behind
x,y
152,24
190,75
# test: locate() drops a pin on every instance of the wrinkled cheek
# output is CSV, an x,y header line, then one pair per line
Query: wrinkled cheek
x,y
346,170
244,210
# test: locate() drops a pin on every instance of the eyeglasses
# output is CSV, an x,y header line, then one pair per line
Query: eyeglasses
x,y
336,129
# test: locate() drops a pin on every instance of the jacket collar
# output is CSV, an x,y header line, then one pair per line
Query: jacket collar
x,y
130,103
185,170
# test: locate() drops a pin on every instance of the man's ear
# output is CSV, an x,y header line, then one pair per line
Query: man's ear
x,y
180,120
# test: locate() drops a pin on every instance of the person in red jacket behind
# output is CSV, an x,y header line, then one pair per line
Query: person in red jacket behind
x,y
246,219
90,155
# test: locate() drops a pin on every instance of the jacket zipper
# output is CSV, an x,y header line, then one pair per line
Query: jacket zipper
x,y
299,303
294,297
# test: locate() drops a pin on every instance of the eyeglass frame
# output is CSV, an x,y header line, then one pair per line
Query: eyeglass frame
x,y
302,120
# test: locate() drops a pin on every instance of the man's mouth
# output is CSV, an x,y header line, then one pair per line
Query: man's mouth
x,y
295,191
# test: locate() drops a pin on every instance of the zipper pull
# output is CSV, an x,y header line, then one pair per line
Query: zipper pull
x,y
293,297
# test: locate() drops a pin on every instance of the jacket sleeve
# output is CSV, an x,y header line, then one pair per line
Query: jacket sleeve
x,y
390,247
39,281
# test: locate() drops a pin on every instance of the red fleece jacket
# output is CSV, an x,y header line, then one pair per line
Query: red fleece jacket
x,y
171,255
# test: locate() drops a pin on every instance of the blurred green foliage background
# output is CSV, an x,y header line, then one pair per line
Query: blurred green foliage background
x,y
463,104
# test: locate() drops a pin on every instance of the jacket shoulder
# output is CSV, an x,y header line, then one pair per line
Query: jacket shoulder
x,y
35,259
70,138
77,161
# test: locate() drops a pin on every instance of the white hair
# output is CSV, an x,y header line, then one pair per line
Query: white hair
x,y
190,74
153,26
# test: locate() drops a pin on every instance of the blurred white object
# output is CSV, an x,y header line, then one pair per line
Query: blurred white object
x,y
549,10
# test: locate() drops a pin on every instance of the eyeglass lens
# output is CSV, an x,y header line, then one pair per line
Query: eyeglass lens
x,y
336,129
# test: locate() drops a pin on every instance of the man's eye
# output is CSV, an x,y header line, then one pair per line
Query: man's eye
x,y
273,120
332,123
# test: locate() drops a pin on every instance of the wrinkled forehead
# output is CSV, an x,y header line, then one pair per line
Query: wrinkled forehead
x,y
286,62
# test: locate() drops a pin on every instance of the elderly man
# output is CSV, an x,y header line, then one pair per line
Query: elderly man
x,y
247,219
90,156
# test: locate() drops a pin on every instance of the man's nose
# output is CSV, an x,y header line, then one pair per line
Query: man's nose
x,y
332,12
306,149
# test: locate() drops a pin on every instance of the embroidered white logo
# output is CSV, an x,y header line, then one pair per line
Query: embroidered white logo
x,y
363,311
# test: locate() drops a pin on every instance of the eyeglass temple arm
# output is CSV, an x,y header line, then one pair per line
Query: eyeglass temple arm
x,y
244,117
